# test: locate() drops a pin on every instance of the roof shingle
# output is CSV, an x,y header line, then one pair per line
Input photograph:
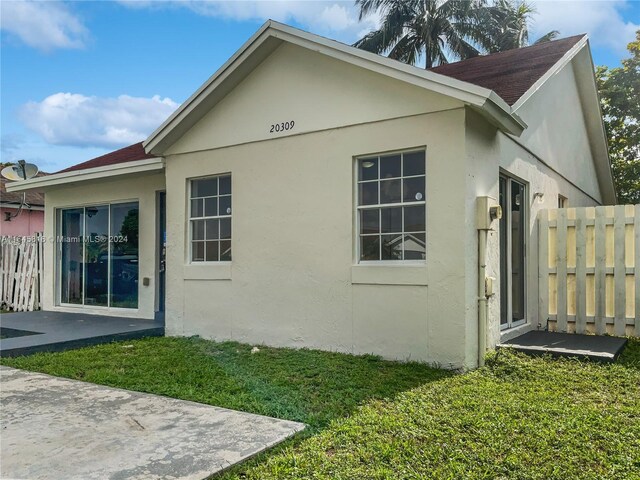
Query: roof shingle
x,y
510,73
127,154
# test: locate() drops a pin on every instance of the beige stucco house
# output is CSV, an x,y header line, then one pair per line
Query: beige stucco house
x,y
311,194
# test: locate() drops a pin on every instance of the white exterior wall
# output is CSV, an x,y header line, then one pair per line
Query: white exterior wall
x,y
292,281
141,188
557,133
552,157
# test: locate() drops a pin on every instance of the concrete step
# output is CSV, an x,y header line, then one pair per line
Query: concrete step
x,y
593,347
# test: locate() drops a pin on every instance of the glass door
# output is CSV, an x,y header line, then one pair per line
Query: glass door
x,y
513,227
98,255
71,267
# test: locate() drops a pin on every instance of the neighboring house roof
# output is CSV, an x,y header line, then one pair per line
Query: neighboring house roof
x,y
513,72
35,199
127,154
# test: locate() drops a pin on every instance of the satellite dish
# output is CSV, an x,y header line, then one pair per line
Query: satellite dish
x,y
21,171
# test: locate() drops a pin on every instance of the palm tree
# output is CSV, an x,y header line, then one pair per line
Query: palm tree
x,y
505,24
412,29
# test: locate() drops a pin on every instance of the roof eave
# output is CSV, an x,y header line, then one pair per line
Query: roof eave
x,y
559,65
272,34
497,111
96,173
597,132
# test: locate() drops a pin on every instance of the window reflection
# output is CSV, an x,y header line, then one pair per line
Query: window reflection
x,y
124,255
98,263
391,206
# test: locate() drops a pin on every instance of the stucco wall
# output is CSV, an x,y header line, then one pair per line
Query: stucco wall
x,y
314,91
292,280
490,152
142,188
28,222
557,132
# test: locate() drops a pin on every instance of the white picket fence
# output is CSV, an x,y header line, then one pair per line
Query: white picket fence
x,y
21,260
589,269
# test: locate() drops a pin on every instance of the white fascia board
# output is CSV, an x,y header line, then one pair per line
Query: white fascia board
x,y
559,65
17,205
484,100
188,105
96,173
590,102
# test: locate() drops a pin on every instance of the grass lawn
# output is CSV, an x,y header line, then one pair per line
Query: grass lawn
x,y
519,417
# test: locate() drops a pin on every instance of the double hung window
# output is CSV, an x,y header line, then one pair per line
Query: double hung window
x,y
210,219
391,207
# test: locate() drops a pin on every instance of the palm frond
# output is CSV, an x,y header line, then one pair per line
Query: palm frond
x,y
552,35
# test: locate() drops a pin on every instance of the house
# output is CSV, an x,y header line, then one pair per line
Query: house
x,y
16,221
311,194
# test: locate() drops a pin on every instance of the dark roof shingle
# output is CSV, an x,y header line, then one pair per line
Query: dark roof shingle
x,y
126,154
33,198
510,73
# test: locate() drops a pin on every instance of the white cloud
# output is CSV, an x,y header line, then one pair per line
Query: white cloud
x,y
602,20
340,18
43,25
78,120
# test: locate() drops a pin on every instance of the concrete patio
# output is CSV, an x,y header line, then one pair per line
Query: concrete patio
x,y
54,428
593,347
40,331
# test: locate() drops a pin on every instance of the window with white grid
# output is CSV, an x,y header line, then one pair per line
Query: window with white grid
x,y
210,219
391,207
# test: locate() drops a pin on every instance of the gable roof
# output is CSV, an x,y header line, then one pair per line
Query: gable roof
x,y
511,73
127,154
273,34
493,85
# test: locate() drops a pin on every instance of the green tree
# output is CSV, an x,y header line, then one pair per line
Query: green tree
x,y
412,29
505,24
620,102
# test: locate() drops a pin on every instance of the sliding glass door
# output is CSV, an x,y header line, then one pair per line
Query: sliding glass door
x,y
98,255
513,227
71,233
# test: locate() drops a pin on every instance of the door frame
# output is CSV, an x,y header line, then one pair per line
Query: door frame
x,y
506,287
161,254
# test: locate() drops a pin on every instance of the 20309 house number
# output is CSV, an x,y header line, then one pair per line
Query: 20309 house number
x,y
282,127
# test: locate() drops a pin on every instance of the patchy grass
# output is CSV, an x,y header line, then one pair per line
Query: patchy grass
x,y
303,385
519,417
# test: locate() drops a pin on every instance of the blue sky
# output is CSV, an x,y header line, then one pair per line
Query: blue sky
x,y
83,78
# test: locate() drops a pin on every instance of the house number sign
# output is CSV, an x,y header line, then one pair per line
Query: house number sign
x,y
282,127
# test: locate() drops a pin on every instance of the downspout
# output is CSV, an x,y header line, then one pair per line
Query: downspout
x,y
483,305
487,210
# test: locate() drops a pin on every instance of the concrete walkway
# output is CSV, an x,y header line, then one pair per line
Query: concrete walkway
x,y
54,428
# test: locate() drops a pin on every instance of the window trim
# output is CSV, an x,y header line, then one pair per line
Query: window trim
x,y
357,208
563,202
189,235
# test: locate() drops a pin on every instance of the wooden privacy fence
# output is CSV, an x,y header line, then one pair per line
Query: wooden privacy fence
x,y
589,269
21,260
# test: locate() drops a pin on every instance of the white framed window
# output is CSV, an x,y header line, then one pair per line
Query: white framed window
x,y
563,202
210,219
390,210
